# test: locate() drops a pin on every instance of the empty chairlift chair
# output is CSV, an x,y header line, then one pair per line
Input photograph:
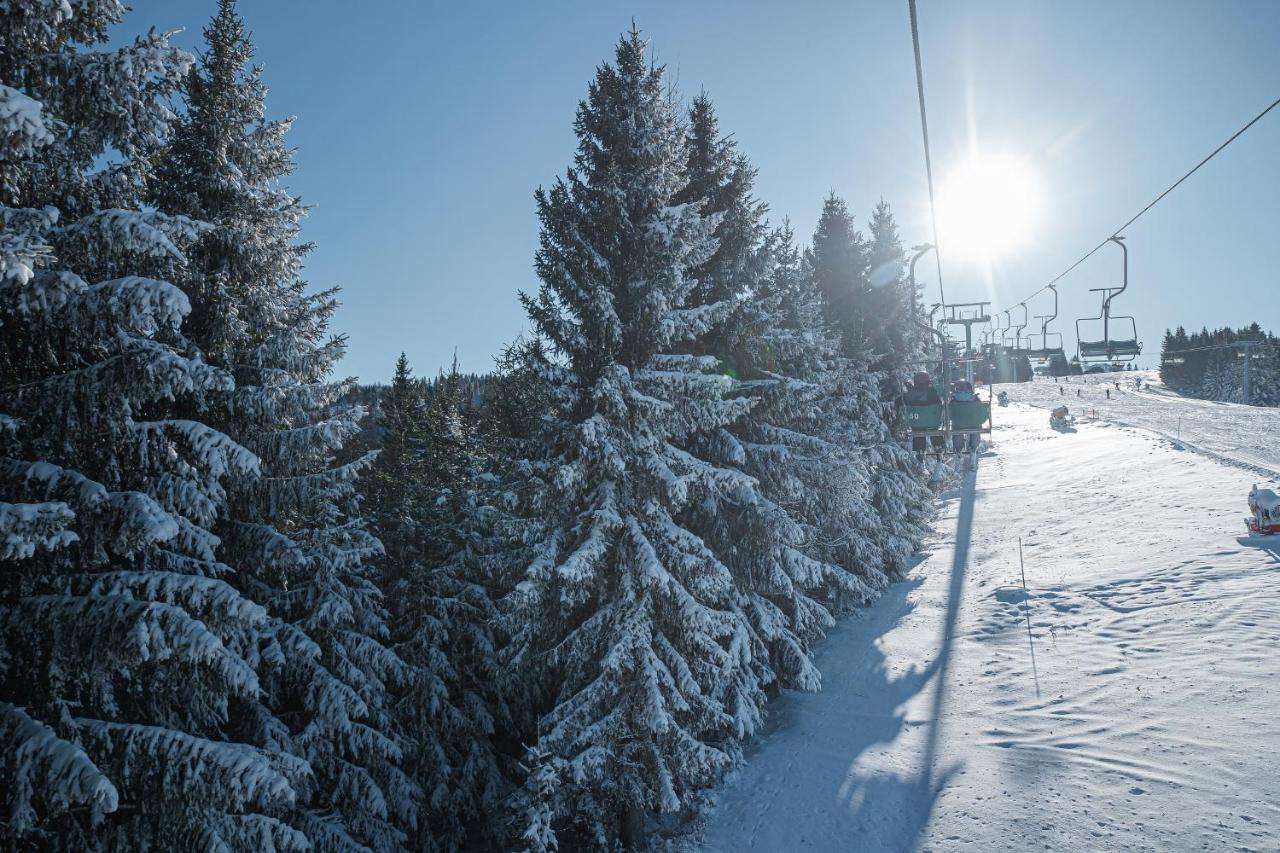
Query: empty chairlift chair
x,y
1118,342
1047,346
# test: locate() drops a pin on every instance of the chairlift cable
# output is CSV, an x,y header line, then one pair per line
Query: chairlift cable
x,y
924,132
1154,201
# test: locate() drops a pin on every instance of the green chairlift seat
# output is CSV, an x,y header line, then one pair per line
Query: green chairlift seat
x,y
921,418
1110,349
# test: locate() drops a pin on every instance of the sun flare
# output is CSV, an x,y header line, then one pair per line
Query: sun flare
x,y
988,207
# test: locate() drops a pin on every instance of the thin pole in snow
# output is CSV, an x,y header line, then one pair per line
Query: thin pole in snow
x,y
1026,611
1022,565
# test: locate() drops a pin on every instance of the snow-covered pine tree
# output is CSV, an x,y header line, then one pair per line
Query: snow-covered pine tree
x,y
636,627
892,326
831,488
752,531
722,180
400,414
433,503
126,657
838,262
1222,377
293,534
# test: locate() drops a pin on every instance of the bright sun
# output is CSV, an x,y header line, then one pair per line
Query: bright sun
x,y
988,207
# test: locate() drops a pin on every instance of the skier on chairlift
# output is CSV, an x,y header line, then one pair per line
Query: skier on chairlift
x,y
962,392
921,393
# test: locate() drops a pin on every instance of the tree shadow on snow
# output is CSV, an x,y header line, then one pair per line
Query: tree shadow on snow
x,y
891,811
830,772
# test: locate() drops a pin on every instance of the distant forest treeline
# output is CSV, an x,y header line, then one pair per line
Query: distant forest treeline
x,y
1211,364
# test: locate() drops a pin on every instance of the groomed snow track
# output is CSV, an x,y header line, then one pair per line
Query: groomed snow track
x,y
1125,701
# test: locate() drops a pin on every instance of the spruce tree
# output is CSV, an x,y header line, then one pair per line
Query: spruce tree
x,y
892,324
753,531
127,655
435,506
636,622
838,262
722,180
293,534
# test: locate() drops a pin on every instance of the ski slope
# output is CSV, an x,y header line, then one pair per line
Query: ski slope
x,y
1127,701
1229,432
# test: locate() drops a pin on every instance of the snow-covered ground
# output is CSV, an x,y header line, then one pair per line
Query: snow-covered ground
x,y
1248,435
1128,701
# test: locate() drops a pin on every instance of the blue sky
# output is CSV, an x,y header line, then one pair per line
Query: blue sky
x,y
424,128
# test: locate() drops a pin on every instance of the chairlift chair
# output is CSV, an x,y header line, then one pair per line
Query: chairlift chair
x,y
1002,329
1017,334
1048,346
953,425
1119,342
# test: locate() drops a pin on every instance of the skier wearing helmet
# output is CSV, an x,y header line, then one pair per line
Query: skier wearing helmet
x,y
921,392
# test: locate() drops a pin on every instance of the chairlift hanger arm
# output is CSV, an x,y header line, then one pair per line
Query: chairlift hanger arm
x,y
1119,241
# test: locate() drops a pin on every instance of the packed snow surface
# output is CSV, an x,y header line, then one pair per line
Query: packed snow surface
x,y
1228,432
1126,700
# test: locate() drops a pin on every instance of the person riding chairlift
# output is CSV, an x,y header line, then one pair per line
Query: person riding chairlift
x,y
962,392
922,393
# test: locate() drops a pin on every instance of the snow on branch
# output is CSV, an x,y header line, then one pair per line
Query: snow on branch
x,y
126,629
24,528
216,452
44,768
115,232
241,774
22,124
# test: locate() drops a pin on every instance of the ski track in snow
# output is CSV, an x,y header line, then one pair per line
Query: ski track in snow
x,y
1127,701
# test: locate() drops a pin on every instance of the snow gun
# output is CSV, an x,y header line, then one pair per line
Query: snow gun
x,y
1264,504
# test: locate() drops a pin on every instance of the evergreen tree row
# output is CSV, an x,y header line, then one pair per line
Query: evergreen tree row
x,y
1210,364
539,609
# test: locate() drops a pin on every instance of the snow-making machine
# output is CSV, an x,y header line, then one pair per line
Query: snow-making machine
x,y
1060,418
1264,504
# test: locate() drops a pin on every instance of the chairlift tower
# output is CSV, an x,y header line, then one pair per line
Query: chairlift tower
x,y
967,314
1246,352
